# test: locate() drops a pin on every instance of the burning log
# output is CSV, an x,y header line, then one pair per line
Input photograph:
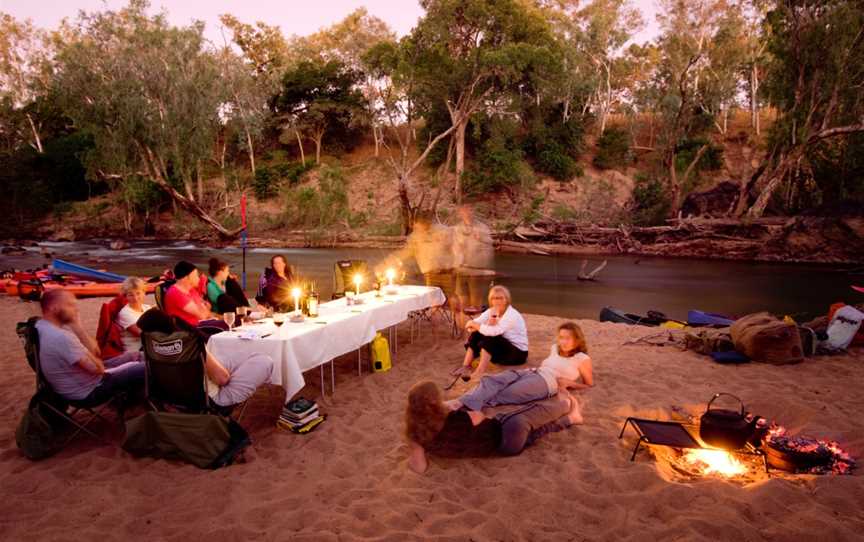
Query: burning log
x,y
804,455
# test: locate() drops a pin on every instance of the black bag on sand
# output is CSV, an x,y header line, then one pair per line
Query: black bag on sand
x,y
205,440
36,435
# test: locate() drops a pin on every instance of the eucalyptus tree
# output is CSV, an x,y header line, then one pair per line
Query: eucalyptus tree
x,y
814,79
467,53
150,95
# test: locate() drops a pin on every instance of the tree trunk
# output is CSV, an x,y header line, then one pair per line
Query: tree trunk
x,y
319,137
251,151
300,144
754,99
459,136
375,137
674,188
36,139
199,181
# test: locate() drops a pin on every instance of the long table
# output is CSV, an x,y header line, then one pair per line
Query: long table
x,y
338,330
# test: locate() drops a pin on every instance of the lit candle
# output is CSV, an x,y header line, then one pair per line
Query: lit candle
x,y
296,293
391,274
357,280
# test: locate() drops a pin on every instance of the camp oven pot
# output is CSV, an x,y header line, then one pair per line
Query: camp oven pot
x,y
723,428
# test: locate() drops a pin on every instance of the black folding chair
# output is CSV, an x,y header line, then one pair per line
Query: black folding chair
x,y
344,272
65,410
176,377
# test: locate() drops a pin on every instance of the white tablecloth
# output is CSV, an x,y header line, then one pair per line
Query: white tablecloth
x,y
338,330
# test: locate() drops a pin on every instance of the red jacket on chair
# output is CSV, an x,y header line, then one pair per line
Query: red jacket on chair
x,y
109,336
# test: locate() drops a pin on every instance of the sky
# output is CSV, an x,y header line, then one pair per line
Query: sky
x,y
299,17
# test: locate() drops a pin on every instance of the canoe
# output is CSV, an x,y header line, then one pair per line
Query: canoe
x,y
69,268
82,288
701,318
609,314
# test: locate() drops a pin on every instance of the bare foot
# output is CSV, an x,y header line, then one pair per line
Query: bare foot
x,y
575,413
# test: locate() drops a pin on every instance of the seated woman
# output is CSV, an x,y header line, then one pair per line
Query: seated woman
x,y
229,382
567,367
275,284
127,318
432,427
498,335
223,291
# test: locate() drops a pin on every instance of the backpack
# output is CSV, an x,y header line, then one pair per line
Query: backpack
x,y
35,435
28,333
205,440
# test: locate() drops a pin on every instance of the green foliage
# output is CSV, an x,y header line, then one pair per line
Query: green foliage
x,y
613,149
532,213
270,179
711,160
650,202
324,206
564,212
499,163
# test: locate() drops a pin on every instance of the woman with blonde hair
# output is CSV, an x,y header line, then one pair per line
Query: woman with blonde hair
x,y
432,427
499,335
133,289
567,367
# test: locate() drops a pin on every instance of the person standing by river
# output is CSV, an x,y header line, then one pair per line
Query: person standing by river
x,y
474,257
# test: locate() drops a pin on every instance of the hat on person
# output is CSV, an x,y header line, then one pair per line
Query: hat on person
x,y
858,289
183,269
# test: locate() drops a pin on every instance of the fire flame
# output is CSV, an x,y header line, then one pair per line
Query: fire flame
x,y
715,462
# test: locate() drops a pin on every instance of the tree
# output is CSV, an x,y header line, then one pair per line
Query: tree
x,y
814,79
319,98
24,71
468,52
149,93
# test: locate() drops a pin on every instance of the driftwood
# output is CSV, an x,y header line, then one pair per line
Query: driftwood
x,y
593,274
802,239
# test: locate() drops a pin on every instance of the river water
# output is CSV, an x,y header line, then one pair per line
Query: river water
x,y
540,284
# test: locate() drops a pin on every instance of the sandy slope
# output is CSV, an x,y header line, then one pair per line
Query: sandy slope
x,y
348,479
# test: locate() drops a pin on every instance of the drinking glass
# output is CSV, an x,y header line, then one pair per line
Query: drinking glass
x,y
278,318
242,311
229,318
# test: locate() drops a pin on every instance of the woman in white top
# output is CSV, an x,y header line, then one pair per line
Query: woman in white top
x,y
127,318
499,335
567,367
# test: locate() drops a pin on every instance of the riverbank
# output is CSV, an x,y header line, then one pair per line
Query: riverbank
x,y
348,479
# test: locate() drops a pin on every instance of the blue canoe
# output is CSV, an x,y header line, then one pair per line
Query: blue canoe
x,y
68,268
701,318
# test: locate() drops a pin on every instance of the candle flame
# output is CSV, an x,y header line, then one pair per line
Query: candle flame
x,y
295,292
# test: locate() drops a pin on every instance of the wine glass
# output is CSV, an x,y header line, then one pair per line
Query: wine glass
x,y
229,318
278,318
242,311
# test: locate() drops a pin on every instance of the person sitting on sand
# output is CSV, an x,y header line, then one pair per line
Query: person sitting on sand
x,y
223,290
184,300
499,335
71,361
275,284
567,367
229,382
127,318
431,427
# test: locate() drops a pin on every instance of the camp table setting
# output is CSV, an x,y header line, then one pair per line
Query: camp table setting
x,y
339,328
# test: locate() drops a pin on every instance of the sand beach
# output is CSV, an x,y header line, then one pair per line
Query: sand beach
x,y
348,480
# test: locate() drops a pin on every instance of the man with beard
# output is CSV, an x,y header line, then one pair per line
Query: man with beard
x,y
70,359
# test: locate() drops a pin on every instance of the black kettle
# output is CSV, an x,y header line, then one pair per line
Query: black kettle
x,y
723,428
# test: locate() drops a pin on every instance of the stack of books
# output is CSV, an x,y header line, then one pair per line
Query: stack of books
x,y
300,416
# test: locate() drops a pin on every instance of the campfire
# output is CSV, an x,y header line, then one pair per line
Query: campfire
x,y
719,462
803,455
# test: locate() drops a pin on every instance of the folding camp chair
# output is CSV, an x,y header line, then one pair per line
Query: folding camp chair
x,y
66,410
344,272
175,374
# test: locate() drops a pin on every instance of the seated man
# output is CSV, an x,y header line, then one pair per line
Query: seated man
x,y
229,382
185,301
70,359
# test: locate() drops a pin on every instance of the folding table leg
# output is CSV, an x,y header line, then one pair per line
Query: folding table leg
x,y
332,377
323,391
359,361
